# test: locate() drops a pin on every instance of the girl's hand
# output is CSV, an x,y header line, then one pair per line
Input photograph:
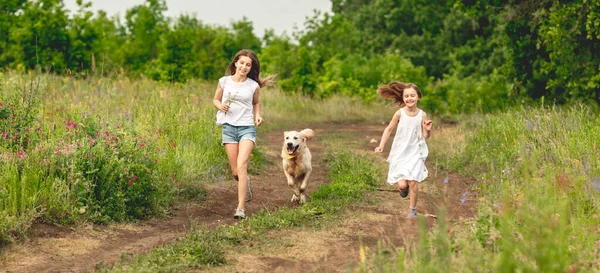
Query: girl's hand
x,y
427,124
224,107
378,150
258,120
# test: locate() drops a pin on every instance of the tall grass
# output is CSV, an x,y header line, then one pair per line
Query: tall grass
x,y
107,150
539,172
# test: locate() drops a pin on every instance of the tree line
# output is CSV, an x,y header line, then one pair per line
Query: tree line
x,y
467,56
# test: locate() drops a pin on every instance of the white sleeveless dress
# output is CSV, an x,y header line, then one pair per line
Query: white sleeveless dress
x,y
409,150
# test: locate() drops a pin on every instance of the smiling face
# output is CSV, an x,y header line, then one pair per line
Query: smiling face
x,y
243,66
292,141
410,96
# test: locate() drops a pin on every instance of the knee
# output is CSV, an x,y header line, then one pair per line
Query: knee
x,y
402,184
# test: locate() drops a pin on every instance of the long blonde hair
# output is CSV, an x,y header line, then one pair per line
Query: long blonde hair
x,y
395,90
254,73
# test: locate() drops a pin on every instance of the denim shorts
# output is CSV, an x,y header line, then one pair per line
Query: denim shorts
x,y
235,134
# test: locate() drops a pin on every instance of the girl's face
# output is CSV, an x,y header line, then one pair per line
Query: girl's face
x,y
243,65
410,97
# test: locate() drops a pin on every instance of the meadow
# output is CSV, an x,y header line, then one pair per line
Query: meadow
x,y
116,150
111,150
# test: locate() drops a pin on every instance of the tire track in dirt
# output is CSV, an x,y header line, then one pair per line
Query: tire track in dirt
x,y
57,249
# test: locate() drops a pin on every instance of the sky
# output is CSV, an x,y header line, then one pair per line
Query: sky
x,y
279,15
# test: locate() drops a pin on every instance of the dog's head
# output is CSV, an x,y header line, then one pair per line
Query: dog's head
x,y
292,140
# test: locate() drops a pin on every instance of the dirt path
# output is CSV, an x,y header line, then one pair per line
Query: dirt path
x,y
381,222
57,249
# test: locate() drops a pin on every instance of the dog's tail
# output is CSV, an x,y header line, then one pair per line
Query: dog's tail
x,y
307,133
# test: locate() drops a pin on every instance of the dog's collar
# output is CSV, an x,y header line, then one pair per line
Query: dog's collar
x,y
289,156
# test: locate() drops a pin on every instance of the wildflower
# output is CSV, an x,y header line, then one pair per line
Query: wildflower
x,y
21,154
134,177
496,205
463,200
130,182
106,133
505,171
446,180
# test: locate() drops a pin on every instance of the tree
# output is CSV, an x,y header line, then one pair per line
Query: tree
x,y
144,25
8,19
41,37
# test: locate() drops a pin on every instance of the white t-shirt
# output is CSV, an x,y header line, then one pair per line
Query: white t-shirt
x,y
239,96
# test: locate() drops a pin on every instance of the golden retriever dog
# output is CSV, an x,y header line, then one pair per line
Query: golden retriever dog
x,y
297,162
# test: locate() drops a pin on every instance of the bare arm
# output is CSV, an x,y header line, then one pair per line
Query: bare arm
x,y
388,131
258,120
217,100
427,124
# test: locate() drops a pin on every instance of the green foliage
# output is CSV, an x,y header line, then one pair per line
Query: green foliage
x,y
555,55
359,75
144,24
345,169
278,56
19,105
39,37
456,95
548,49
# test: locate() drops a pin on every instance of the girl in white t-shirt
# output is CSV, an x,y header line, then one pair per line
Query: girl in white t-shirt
x,y
238,105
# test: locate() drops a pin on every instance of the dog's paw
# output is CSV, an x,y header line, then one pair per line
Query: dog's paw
x,y
294,199
302,199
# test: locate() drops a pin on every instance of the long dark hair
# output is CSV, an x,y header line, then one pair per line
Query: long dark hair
x,y
254,73
395,91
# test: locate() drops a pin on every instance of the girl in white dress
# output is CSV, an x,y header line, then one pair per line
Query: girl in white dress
x,y
409,149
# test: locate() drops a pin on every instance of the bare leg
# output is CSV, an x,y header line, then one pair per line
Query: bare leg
x,y
232,150
414,188
245,149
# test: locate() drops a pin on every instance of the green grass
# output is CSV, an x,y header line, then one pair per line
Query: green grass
x,y
538,172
